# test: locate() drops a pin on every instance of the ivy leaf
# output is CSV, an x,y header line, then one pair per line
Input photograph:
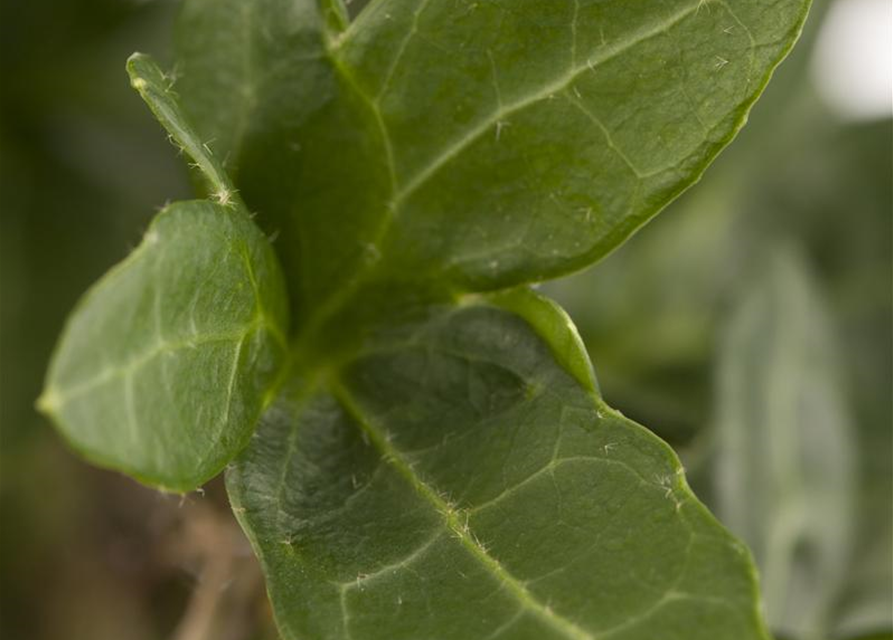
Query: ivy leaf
x,y
486,144
461,478
785,472
167,362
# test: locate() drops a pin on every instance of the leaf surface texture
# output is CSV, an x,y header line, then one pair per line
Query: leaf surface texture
x,y
457,480
487,144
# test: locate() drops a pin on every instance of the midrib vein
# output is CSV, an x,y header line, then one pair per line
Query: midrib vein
x,y
54,398
453,520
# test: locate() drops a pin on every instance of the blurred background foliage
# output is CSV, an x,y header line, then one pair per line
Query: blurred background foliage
x,y
749,325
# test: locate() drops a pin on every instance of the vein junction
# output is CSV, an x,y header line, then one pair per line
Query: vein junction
x,y
456,524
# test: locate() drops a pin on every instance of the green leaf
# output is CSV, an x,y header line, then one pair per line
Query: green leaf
x,y
461,478
486,144
167,362
156,89
785,475
163,366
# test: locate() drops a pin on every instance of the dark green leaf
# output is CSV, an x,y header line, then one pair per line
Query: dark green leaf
x,y
485,144
461,478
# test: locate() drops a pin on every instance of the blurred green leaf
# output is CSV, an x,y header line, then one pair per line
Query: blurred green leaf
x,y
82,169
784,458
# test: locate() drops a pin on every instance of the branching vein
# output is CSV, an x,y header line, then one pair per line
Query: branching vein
x,y
454,521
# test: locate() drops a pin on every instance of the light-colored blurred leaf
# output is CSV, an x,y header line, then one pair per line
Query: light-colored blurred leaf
x,y
785,446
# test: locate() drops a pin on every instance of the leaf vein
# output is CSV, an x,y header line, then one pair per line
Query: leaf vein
x,y
392,567
454,523
550,467
57,398
562,83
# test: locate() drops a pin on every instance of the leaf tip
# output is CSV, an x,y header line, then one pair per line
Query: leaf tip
x,y
48,402
142,71
138,57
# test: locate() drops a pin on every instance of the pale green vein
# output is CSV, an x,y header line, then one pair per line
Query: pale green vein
x,y
391,568
559,85
53,399
401,51
228,401
670,594
374,109
290,448
550,467
346,292
231,384
505,626
130,408
455,522
263,315
574,21
609,139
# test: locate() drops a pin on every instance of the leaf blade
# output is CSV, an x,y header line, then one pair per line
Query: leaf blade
x,y
374,516
643,101
491,236
163,365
